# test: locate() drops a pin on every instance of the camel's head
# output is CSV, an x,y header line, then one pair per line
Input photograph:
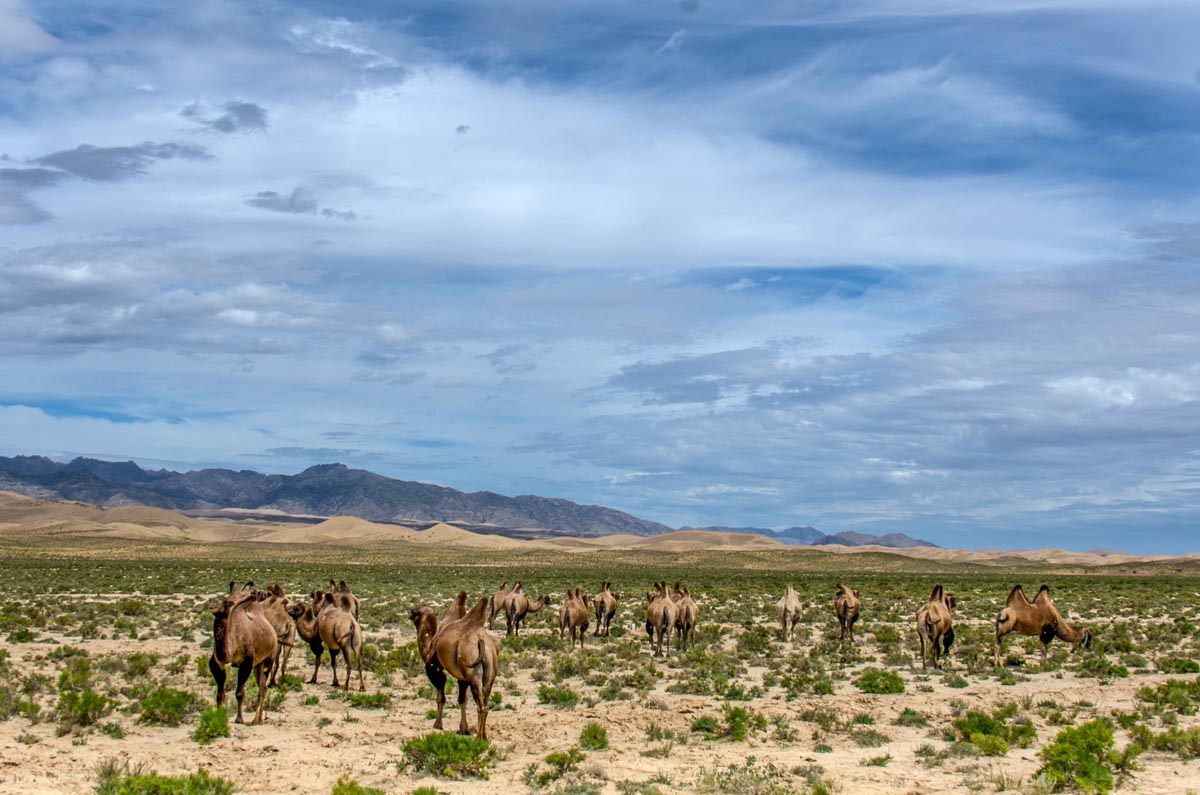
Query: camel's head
x,y
949,600
418,613
222,605
296,610
342,587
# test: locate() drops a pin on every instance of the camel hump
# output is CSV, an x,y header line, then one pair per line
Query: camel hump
x,y
478,613
518,588
937,593
1017,591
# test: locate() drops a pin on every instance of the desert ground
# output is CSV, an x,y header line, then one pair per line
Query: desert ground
x,y
115,603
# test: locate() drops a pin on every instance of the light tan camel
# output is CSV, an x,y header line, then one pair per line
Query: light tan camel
x,y
326,625
519,606
1039,617
499,601
343,598
573,616
463,648
275,605
935,626
606,607
660,618
242,637
788,612
847,606
686,613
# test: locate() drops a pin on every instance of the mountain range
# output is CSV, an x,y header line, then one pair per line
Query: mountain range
x,y
337,490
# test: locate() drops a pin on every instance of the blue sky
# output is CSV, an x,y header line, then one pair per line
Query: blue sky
x,y
927,267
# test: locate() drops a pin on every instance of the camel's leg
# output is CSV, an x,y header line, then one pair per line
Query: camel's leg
x,y
349,670
463,727
284,656
924,657
218,673
333,657
243,674
317,650
362,685
996,647
437,678
260,679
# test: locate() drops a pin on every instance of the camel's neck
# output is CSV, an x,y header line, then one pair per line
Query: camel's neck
x,y
426,629
1071,634
537,605
221,639
306,624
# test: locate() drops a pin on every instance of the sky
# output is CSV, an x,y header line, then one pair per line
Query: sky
x,y
928,267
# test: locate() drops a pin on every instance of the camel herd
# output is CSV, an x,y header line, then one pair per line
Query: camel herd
x,y
256,631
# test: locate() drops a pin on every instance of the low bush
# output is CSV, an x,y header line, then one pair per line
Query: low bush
x,y
557,696
167,706
348,786
214,723
1084,758
874,680
594,737
118,779
449,755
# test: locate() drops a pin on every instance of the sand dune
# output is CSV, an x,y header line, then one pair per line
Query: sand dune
x,y
25,516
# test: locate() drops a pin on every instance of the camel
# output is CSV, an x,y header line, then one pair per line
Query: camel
x,y
242,636
686,612
275,608
499,600
606,607
847,605
1039,617
660,618
573,616
325,624
518,606
341,595
788,612
935,626
463,648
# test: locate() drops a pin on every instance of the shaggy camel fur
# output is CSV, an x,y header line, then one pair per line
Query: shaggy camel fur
x,y
463,648
935,626
324,624
660,618
340,593
1039,617
788,612
242,637
686,613
519,605
847,606
573,616
275,605
499,601
606,607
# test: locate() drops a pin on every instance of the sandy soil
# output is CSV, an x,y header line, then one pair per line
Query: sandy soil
x,y
294,752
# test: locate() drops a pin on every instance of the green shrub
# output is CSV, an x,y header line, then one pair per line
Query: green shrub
x,y
707,725
874,680
911,717
557,696
115,779
167,706
739,722
379,700
139,664
449,755
1080,757
1178,665
21,635
214,723
81,709
348,786
594,737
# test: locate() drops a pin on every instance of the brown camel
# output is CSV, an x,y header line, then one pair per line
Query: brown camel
x,y
847,606
343,598
463,648
275,608
788,612
1039,617
519,605
573,616
243,637
324,624
686,613
660,618
935,626
499,601
606,607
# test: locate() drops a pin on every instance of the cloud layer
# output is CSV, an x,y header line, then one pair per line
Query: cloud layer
x,y
820,265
